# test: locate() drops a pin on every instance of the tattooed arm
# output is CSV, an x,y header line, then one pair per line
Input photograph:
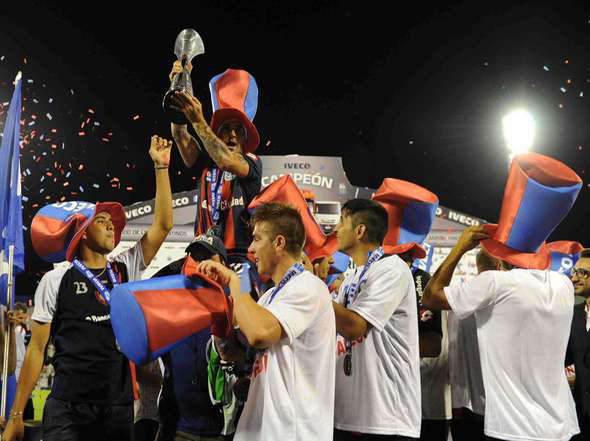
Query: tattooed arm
x,y
225,158
220,153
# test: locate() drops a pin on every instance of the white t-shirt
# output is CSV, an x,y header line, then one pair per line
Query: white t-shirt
x,y
291,396
464,366
382,396
46,293
434,380
523,322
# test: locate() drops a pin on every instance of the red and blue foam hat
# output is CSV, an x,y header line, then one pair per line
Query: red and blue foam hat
x,y
234,95
328,248
151,317
57,228
563,255
539,193
285,190
411,210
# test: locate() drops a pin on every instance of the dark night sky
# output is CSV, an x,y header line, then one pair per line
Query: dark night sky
x,y
416,94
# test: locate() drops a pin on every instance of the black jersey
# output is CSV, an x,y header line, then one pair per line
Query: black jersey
x,y
88,366
236,195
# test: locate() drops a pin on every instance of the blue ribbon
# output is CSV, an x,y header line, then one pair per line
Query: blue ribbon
x,y
102,290
291,272
216,189
348,293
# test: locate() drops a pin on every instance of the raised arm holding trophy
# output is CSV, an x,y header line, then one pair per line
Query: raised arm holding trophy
x,y
228,173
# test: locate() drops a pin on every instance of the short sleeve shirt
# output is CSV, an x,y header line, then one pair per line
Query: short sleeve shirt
x,y
89,367
523,322
382,396
291,396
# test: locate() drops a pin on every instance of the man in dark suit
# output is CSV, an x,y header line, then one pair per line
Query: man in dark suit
x,y
578,352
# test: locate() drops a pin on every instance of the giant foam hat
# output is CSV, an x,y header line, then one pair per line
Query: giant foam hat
x,y
285,190
151,317
234,95
563,255
57,228
411,210
539,192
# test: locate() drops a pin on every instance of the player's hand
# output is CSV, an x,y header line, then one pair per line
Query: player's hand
x,y
470,237
189,106
160,151
177,68
15,430
217,272
16,317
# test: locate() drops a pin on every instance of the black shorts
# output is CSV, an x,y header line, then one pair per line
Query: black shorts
x,y
70,421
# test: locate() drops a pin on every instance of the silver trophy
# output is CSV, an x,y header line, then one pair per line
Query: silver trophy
x,y
188,45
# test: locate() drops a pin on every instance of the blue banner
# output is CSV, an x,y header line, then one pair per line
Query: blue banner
x,y
11,219
11,216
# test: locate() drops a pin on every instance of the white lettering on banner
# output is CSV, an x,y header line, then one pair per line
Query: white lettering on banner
x,y
461,218
439,211
304,178
140,211
180,202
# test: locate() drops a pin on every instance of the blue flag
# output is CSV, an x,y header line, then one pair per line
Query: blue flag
x,y
11,218
11,215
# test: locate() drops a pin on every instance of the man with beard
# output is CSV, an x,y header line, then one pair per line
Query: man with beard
x,y
228,172
579,343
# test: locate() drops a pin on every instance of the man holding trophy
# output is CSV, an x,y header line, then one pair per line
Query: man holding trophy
x,y
228,172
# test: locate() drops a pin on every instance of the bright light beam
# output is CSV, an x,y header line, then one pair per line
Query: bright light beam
x,y
519,131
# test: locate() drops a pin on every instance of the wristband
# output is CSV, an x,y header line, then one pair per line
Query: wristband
x,y
161,168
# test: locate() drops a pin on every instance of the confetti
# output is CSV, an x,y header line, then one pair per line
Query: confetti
x,y
49,117
581,95
563,90
96,185
136,117
545,68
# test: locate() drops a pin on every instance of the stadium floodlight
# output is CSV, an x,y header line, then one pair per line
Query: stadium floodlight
x,y
519,131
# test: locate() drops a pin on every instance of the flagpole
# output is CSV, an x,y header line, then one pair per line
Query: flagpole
x,y
9,293
7,333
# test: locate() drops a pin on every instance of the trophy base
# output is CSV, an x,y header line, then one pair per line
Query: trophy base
x,y
173,115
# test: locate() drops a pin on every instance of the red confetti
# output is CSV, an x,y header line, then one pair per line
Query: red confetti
x,y
82,133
